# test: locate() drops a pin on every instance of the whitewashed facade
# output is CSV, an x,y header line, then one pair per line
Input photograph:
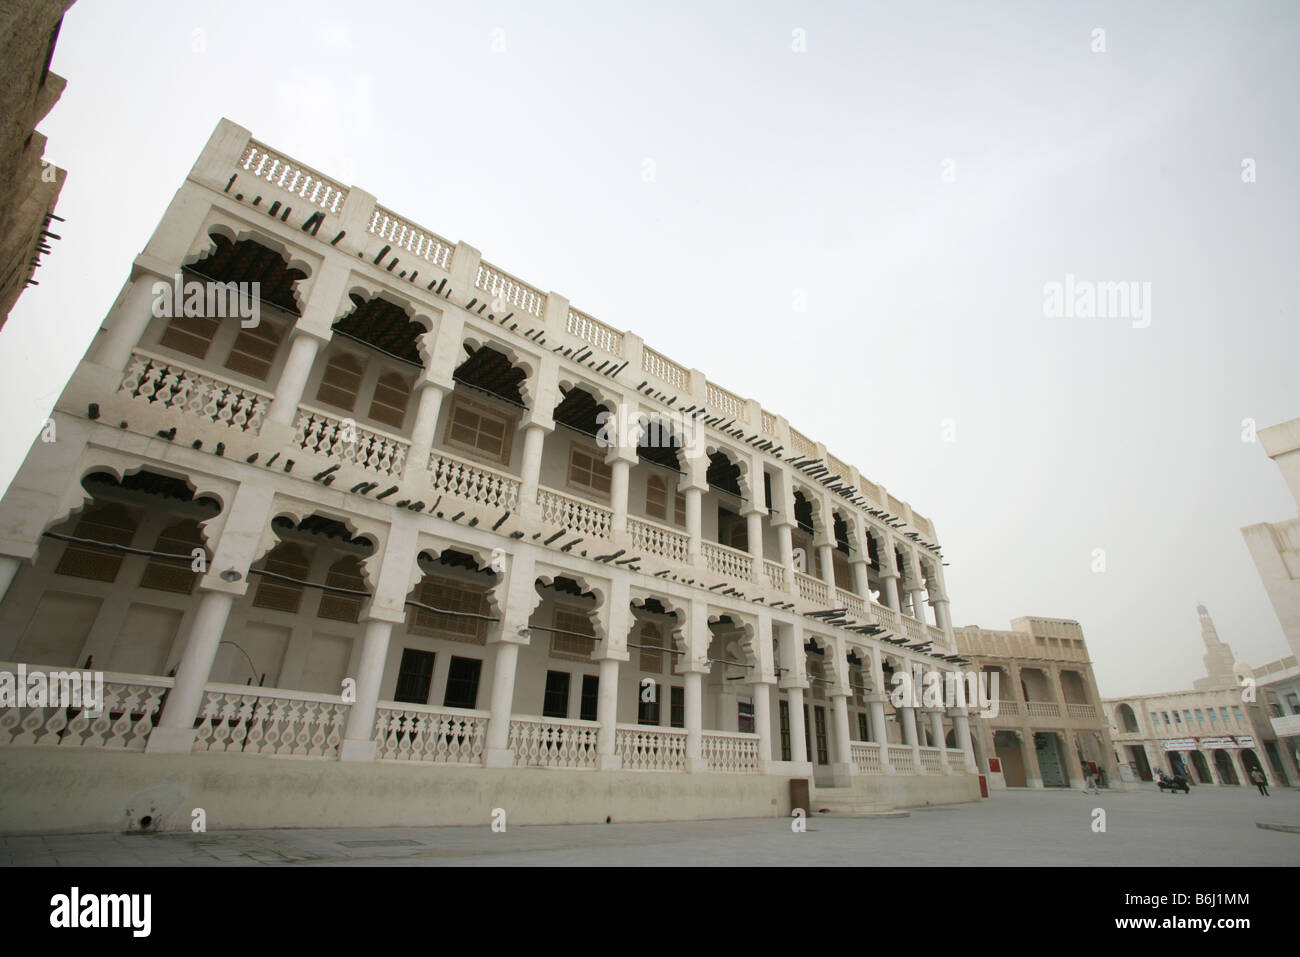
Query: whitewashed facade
x,y
412,544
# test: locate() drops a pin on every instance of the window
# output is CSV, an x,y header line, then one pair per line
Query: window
x,y
1224,712
254,350
462,683
588,711
1177,718
1155,718
109,523
555,703
340,382
656,501
1236,713
733,531
450,595
344,573
1213,717
571,623
677,709
414,675
864,733
588,471
388,405
191,335
823,754
647,712
174,575
652,659
1188,716
785,730
1165,715
1200,718
292,561
479,428
745,717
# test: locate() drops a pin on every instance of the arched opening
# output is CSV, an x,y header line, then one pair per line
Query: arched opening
x,y
577,442
1126,719
483,412
1227,774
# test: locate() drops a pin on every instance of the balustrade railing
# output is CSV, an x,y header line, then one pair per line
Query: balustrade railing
x,y
813,589
410,732
645,748
728,561
886,617
169,384
775,574
866,755
414,239
956,760
554,742
592,330
664,369
273,721
901,758
343,440
574,514
932,760
730,752
856,606
728,403
657,540
913,629
1011,708
292,177
1042,709
130,708
1081,712
471,482
512,292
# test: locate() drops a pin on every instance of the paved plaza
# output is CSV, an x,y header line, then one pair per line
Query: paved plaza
x,y
1209,827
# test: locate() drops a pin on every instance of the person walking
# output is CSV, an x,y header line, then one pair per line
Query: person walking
x,y
1257,778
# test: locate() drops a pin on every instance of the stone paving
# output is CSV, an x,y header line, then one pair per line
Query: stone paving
x,y
1211,826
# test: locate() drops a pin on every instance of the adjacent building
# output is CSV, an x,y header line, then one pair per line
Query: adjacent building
x,y
1275,547
29,184
332,488
1214,734
1049,724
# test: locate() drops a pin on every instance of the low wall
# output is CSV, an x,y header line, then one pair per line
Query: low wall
x,y
906,790
47,791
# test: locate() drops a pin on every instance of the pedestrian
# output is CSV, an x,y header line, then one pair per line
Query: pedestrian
x,y
1257,778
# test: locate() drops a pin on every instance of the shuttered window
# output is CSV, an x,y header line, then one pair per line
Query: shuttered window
x,y
479,429
254,350
288,559
111,523
571,619
340,382
588,472
449,595
191,335
388,405
344,573
174,575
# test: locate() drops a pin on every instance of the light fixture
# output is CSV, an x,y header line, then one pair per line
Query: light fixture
x,y
230,575
524,633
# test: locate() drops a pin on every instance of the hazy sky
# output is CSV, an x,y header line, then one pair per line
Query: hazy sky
x,y
914,176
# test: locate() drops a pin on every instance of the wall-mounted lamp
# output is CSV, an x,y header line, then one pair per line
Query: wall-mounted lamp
x,y
230,575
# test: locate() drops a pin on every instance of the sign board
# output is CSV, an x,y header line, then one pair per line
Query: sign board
x,y
1215,743
1244,741
1181,744
995,765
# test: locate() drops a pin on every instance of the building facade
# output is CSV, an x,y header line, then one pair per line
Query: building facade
x,y
1049,721
29,184
1215,734
395,506
1275,547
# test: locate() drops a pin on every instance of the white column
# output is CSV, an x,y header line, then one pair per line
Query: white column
x,y
879,730
8,569
918,604
359,734
620,469
754,532
694,521
825,557
890,595
798,734
936,728
426,421
497,754
961,732
113,346
860,585
175,730
695,722
785,548
941,615
293,378
907,717
607,714
840,707
763,721
531,466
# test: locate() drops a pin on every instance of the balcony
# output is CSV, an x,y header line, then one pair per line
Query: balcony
x,y
730,562
343,440
167,384
1042,709
813,589
1287,725
583,518
473,483
659,540
412,732
1081,712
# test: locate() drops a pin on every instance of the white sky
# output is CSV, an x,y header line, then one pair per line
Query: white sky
x,y
820,172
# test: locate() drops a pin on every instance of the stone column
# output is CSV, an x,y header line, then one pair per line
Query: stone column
x,y
826,558
8,569
175,730
860,582
694,521
621,469
754,533
962,735
497,753
785,549
359,733
422,433
124,327
918,604
798,733
890,578
303,348
842,758
1074,762
530,468
936,732
695,722
879,729
763,721
1029,754
607,715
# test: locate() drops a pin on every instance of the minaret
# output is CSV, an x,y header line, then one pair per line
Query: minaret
x,y
1220,663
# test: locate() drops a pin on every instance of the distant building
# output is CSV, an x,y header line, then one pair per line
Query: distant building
x,y
1214,734
1276,550
1049,719
29,186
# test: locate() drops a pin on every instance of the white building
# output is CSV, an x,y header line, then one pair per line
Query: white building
x,y
397,521
1214,734
1276,550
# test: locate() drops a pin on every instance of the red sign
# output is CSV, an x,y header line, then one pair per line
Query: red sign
x,y
995,765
